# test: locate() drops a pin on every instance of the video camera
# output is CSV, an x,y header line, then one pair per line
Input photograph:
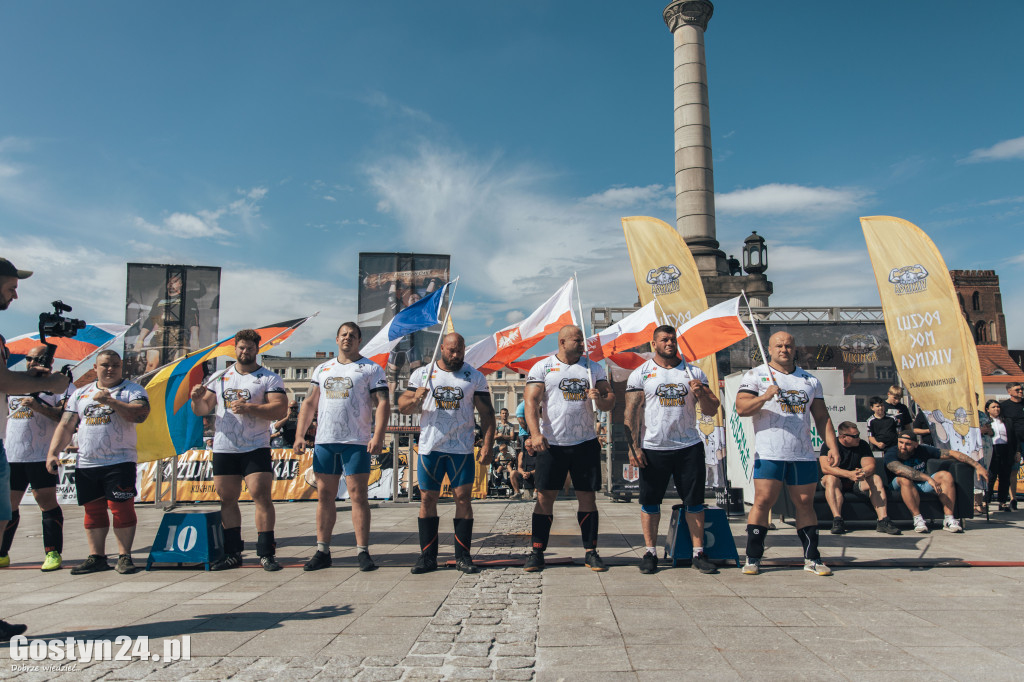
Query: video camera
x,y
55,324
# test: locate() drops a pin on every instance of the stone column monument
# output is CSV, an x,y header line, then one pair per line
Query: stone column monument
x,y
695,185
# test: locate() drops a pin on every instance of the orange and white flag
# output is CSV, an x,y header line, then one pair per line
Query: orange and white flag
x,y
509,344
713,330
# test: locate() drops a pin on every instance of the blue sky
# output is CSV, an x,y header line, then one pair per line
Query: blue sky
x,y
277,140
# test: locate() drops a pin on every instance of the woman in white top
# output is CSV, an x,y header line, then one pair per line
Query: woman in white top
x,y
1002,457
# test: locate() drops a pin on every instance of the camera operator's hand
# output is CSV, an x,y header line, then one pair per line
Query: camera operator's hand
x,y
56,383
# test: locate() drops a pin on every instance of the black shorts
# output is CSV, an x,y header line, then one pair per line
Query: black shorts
x,y
582,461
115,482
242,463
24,474
685,466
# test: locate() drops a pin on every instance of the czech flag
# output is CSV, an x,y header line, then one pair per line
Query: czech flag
x,y
422,314
89,340
172,428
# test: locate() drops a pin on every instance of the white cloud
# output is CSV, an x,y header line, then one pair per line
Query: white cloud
x,y
380,100
625,197
1000,151
205,223
328,197
779,199
808,276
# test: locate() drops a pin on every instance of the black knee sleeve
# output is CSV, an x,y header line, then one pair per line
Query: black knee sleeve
x,y
233,543
588,528
463,537
809,539
755,541
428,535
9,531
541,530
53,530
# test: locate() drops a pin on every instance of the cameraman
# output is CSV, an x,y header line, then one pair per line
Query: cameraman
x,y
16,383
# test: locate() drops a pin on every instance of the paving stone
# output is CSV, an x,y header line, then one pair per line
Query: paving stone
x,y
470,648
470,674
513,662
513,674
382,661
469,661
423,661
515,649
426,648
380,675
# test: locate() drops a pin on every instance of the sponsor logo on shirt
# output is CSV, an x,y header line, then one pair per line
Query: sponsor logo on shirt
x,y
909,279
671,395
97,414
233,394
794,402
574,389
448,397
337,387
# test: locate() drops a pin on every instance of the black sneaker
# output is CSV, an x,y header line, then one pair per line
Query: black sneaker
x,y
887,526
534,561
270,563
466,565
227,561
365,562
318,561
8,630
594,562
425,564
125,565
838,526
649,564
703,564
94,564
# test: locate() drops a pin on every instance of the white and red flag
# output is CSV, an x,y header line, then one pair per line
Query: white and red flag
x,y
502,347
716,328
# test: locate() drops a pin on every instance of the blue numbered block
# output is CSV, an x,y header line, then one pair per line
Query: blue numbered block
x,y
188,538
719,545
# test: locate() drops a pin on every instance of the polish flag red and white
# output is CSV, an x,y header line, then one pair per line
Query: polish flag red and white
x,y
509,344
716,328
613,343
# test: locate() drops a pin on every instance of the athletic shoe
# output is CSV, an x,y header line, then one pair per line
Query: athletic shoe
x,y
534,561
921,526
816,567
838,526
52,562
8,630
752,567
887,526
649,564
270,563
466,565
318,561
703,564
425,564
228,561
5,561
94,564
953,526
125,565
365,562
594,561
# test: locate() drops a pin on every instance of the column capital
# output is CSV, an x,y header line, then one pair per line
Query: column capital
x,y
688,13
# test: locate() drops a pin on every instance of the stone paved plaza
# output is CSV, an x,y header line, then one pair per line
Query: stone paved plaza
x,y
928,616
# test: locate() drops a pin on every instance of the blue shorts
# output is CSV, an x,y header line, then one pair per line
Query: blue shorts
x,y
431,468
793,473
338,458
5,484
923,486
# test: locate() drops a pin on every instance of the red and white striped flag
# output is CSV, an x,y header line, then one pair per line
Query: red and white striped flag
x,y
716,328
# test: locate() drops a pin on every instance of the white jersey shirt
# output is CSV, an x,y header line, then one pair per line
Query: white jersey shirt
x,y
243,432
104,436
782,427
670,408
567,414
345,411
28,432
446,421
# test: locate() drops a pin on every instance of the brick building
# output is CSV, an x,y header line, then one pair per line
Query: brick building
x,y
982,304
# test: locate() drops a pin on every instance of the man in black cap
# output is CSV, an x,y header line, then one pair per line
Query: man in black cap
x,y
15,383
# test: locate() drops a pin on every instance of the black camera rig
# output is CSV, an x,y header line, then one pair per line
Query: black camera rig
x,y
55,324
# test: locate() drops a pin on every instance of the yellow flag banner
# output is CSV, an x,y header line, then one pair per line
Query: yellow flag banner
x,y
664,269
931,345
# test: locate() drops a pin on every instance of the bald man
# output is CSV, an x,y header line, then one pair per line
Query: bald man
x,y
566,386
445,394
781,399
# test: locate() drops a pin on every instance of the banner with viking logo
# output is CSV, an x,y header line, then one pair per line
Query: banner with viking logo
x,y
932,348
664,269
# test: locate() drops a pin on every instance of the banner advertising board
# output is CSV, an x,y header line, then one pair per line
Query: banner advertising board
x,y
172,309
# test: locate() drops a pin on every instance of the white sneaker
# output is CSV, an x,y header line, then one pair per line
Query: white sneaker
x,y
953,526
752,567
921,526
816,567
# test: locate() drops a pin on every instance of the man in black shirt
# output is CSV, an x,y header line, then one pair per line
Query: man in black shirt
x,y
1012,413
856,469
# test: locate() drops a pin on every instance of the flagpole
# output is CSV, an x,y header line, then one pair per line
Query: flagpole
x,y
757,336
664,317
440,335
586,345
274,338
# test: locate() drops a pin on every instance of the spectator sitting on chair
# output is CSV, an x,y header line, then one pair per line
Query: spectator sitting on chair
x,y
906,461
856,469
882,429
